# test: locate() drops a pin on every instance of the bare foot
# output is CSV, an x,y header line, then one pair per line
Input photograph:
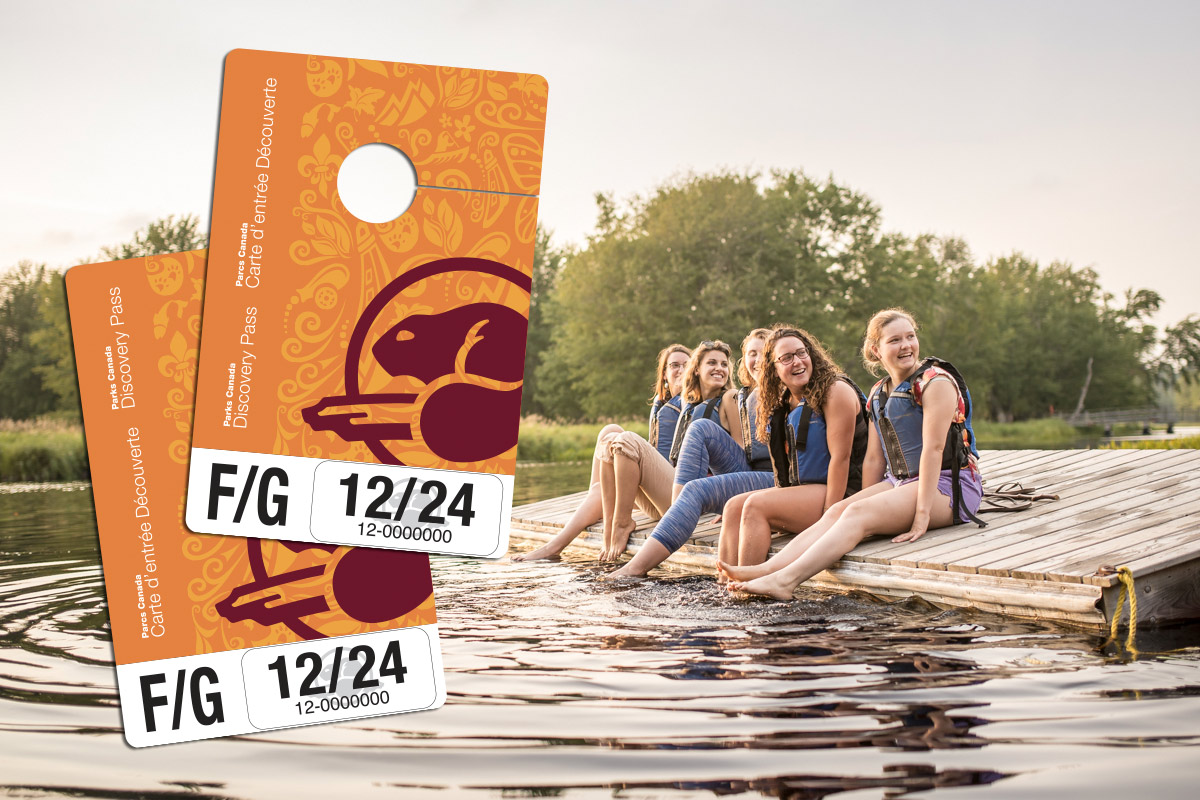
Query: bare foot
x,y
621,531
733,572
545,551
770,585
625,572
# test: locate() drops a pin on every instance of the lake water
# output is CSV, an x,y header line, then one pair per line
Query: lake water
x,y
563,686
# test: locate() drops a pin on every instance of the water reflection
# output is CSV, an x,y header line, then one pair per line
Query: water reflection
x,y
561,685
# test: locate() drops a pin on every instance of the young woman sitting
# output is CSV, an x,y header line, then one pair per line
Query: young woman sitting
x,y
814,419
921,436
638,474
730,445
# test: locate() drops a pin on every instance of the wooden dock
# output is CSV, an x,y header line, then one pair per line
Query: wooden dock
x,y
1134,508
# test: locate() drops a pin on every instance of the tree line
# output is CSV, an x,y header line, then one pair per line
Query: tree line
x,y
712,256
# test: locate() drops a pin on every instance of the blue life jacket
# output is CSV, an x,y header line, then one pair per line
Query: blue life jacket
x,y
757,454
705,409
900,420
800,449
663,417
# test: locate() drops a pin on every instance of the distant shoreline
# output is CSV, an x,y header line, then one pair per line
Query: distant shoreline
x,y
46,451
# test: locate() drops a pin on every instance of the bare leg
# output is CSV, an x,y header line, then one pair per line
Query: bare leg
x,y
628,477
676,489
731,520
796,547
590,512
608,500
884,512
795,508
650,556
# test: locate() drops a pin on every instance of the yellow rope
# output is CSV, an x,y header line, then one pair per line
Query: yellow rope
x,y
1125,576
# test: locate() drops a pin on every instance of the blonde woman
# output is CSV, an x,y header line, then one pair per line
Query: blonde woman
x,y
920,470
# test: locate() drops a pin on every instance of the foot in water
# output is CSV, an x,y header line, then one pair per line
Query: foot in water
x,y
624,572
732,572
543,552
769,585
621,532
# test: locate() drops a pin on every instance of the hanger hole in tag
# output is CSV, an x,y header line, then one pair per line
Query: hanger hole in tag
x,y
377,183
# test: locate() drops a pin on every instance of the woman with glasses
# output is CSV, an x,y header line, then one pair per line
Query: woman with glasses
x,y
931,478
738,457
814,419
664,413
638,474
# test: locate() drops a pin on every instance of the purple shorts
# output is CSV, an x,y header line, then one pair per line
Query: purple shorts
x,y
969,482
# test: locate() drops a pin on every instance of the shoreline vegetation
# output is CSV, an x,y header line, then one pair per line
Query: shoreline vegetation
x,y
52,449
42,450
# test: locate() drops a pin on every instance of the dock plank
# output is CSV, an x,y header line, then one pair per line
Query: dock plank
x,y
1139,508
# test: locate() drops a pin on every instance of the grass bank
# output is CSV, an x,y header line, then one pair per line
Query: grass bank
x,y
547,441
1181,443
1032,434
42,450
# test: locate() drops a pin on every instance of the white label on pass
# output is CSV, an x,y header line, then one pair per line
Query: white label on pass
x,y
346,677
342,502
427,510
281,686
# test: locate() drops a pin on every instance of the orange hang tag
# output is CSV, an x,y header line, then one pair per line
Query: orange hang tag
x,y
222,635
360,381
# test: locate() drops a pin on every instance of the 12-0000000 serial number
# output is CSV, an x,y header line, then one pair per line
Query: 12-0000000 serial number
x,y
415,533
343,702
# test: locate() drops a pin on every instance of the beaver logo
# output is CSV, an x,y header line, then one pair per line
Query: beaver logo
x,y
469,359
365,585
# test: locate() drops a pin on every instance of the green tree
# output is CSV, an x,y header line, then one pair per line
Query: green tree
x,y
166,235
547,262
22,392
52,342
702,257
50,353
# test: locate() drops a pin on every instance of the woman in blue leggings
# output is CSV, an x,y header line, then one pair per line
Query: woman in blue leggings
x,y
814,419
742,465
708,448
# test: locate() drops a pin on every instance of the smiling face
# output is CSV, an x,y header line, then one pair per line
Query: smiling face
x,y
752,356
713,371
676,363
898,349
793,364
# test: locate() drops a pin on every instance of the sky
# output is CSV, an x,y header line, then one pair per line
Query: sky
x,y
1066,131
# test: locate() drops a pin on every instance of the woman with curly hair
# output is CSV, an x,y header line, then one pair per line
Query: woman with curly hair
x,y
638,474
664,413
920,470
813,417
738,457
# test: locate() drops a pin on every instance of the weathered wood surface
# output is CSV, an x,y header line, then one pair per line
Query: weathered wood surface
x,y
1136,508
